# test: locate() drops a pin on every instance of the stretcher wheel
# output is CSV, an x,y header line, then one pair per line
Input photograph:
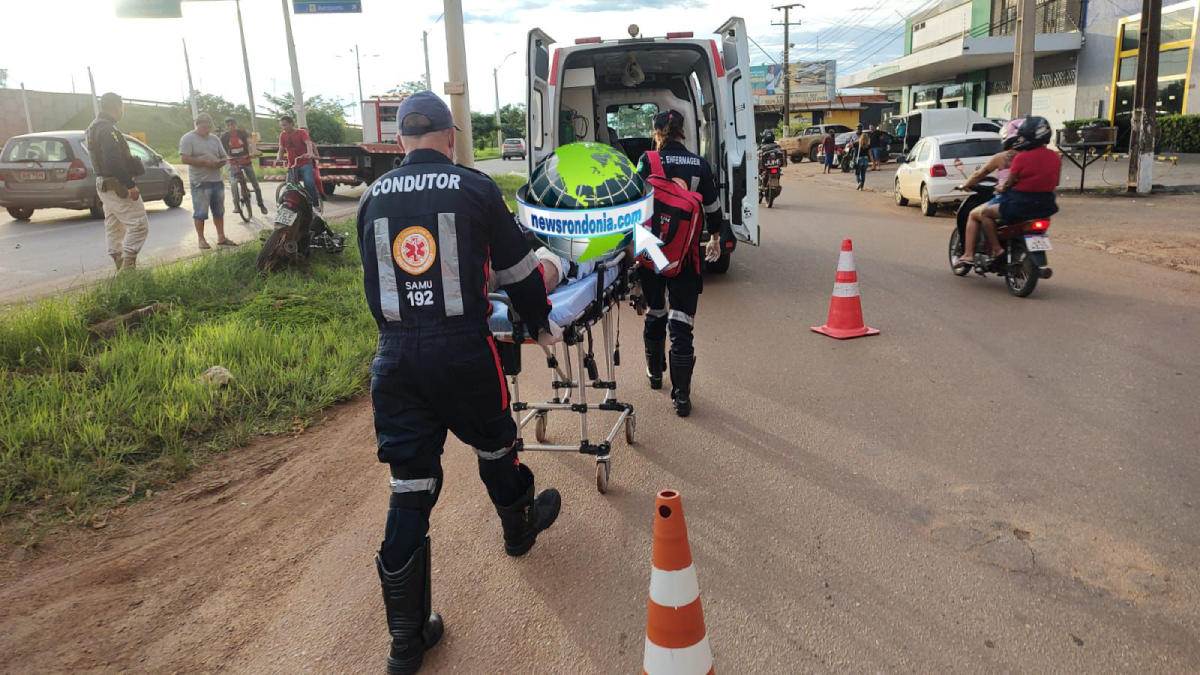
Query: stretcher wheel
x,y
603,468
539,427
631,430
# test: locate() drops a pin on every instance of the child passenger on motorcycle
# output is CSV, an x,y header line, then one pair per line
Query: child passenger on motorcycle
x,y
1027,193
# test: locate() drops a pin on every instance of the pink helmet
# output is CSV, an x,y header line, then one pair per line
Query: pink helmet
x,y
1011,128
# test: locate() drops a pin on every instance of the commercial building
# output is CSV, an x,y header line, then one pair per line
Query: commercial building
x,y
960,53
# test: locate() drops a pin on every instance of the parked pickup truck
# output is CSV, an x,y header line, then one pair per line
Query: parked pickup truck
x,y
809,142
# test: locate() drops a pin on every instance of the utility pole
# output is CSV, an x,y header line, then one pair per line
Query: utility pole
x,y
456,87
358,67
496,82
1023,55
1145,99
297,94
246,64
191,90
25,102
787,73
425,43
95,101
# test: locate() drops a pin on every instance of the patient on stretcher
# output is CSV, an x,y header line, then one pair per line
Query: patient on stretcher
x,y
556,271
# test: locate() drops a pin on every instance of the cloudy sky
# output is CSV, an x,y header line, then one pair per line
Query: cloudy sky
x,y
46,43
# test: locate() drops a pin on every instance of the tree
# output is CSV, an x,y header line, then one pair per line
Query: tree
x,y
3,77
326,118
219,108
409,87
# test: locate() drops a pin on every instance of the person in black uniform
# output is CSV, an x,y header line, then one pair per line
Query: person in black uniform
x,y
427,232
682,290
126,224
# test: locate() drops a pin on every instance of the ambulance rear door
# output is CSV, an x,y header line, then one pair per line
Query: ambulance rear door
x,y
734,100
539,102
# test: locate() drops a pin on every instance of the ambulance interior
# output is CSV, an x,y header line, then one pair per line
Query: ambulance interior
x,y
611,95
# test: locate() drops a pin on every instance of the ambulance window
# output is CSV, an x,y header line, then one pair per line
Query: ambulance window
x,y
633,121
738,105
387,113
536,119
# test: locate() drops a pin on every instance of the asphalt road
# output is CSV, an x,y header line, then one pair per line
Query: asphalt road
x,y
992,484
60,249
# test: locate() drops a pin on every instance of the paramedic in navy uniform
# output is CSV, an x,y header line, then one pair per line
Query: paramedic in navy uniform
x,y
427,232
684,288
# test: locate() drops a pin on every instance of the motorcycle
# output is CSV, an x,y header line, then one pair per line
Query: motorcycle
x,y
1023,261
768,178
298,229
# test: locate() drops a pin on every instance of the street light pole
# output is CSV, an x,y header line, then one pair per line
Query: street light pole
x,y
191,90
1145,100
297,94
246,65
456,86
425,42
496,82
787,75
1023,54
358,67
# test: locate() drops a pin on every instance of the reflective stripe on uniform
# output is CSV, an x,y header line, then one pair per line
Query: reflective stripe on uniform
x,y
389,296
695,184
414,485
657,313
493,454
448,252
713,207
676,315
524,267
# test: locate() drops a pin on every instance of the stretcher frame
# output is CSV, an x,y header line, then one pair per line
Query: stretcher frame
x,y
573,378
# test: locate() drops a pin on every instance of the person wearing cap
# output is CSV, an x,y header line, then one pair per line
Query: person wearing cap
x,y
683,290
428,231
125,222
204,154
242,150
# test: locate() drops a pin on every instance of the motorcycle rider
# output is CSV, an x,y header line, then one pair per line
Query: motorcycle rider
x,y
998,164
684,289
1028,189
767,146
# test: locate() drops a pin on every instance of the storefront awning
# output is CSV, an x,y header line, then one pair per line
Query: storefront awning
x,y
953,58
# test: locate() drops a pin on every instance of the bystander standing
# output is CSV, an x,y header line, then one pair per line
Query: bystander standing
x,y
204,154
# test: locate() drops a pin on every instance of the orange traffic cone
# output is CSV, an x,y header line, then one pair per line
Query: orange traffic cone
x,y
845,311
676,641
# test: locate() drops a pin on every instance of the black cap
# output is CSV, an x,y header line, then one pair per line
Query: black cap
x,y
665,117
423,113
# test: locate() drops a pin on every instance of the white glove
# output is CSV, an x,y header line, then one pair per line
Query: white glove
x,y
551,335
712,250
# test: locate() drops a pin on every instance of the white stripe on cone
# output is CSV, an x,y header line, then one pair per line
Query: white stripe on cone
x,y
674,589
694,660
845,290
846,261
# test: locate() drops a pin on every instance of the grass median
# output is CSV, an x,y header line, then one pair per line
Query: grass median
x,y
87,422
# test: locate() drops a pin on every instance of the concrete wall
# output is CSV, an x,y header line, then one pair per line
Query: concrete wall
x,y
49,111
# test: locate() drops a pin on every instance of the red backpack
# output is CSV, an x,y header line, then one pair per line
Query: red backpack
x,y
676,220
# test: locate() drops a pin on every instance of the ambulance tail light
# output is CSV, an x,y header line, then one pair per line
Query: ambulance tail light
x,y
680,34
587,41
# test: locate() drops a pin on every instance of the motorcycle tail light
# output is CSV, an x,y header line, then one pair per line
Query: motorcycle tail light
x,y
937,171
774,170
1037,226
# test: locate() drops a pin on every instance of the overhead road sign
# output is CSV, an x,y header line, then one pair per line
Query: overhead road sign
x,y
148,9
326,7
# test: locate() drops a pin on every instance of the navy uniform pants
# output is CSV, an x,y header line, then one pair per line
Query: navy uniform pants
x,y
682,293
423,384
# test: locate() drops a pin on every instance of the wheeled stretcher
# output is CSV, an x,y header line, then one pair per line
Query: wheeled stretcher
x,y
577,307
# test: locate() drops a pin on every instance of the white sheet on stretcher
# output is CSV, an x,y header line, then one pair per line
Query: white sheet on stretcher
x,y
568,302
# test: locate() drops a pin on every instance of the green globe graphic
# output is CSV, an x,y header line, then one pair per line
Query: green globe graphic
x,y
585,176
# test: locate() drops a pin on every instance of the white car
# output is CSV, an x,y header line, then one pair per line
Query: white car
x,y
938,164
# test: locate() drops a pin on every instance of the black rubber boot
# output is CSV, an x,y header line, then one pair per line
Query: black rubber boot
x,y
656,361
681,382
413,624
523,519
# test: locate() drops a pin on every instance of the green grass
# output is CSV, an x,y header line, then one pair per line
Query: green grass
x,y
85,421
487,153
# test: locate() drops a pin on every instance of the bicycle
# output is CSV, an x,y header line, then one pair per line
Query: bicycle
x,y
242,202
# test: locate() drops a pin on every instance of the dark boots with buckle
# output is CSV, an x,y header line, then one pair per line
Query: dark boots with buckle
x,y
413,624
681,382
656,361
523,519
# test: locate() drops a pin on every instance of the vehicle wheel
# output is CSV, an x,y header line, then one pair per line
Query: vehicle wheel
x,y
540,423
901,200
631,430
770,197
20,213
721,266
174,194
928,208
245,210
603,469
812,153
760,196
279,193
329,187
956,249
1022,278
267,257
97,208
